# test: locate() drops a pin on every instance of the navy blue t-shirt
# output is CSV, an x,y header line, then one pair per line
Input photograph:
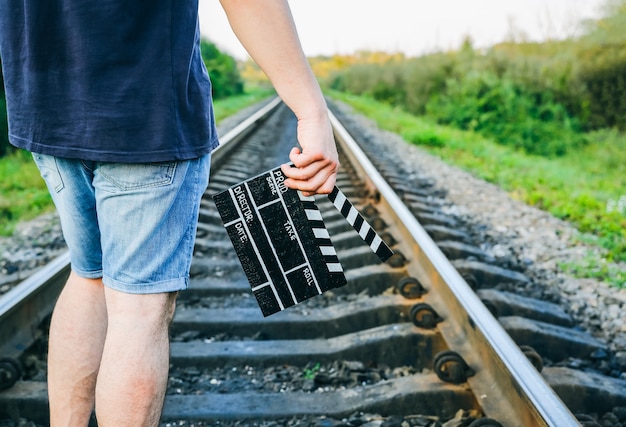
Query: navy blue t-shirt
x,y
106,80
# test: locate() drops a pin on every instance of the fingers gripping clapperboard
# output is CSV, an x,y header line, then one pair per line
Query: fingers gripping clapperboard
x,y
281,240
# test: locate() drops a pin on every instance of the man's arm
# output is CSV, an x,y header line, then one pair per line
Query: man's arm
x,y
266,30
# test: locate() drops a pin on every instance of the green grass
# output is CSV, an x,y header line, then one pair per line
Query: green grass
x,y
23,194
586,187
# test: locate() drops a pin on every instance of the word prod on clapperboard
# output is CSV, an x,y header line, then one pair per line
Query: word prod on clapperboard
x,y
281,240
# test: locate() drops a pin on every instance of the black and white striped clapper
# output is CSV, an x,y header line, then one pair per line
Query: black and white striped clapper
x,y
354,218
281,240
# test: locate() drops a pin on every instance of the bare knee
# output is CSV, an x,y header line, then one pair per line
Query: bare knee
x,y
156,309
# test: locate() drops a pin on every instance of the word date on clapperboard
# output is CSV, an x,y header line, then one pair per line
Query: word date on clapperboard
x,y
281,240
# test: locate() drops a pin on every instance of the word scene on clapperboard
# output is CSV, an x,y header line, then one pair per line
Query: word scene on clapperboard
x,y
281,240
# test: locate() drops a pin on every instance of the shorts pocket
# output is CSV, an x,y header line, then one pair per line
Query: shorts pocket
x,y
49,171
133,176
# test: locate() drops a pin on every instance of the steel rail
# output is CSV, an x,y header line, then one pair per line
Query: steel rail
x,y
506,384
24,307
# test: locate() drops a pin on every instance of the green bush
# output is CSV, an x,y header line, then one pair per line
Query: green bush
x,y
602,58
499,108
225,78
606,86
426,77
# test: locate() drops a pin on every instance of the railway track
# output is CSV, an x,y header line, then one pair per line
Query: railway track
x,y
432,336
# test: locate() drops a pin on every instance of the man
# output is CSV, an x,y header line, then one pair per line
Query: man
x,y
113,100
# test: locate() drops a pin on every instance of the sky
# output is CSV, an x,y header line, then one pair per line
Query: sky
x,y
413,27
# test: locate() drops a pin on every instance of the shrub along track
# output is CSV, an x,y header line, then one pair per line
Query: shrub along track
x,y
401,343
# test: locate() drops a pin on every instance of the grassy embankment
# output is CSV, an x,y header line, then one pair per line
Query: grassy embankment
x,y
23,193
585,186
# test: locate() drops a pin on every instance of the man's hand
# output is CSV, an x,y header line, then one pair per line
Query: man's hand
x,y
316,165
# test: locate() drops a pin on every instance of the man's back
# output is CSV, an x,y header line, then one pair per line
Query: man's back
x,y
107,80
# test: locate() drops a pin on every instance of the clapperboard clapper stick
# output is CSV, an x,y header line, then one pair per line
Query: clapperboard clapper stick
x,y
281,240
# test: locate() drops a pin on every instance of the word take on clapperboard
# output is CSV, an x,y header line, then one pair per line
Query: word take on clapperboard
x,y
281,240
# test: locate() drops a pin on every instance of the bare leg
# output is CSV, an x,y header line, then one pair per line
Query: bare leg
x,y
77,333
135,361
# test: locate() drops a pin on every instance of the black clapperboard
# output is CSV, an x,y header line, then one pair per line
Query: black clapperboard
x,y
281,240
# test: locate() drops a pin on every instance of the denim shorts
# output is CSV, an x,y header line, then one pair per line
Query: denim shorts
x,y
134,225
